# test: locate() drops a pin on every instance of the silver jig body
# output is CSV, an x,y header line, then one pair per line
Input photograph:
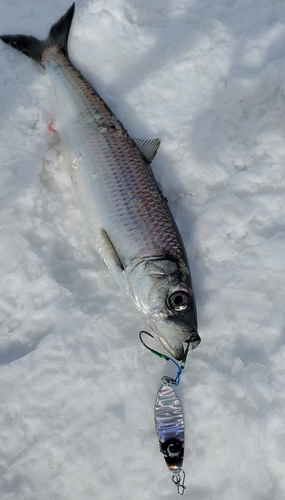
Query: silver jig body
x,y
169,423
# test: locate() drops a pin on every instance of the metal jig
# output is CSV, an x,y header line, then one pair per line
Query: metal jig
x,y
169,423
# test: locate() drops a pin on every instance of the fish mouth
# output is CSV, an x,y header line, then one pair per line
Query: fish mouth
x,y
177,350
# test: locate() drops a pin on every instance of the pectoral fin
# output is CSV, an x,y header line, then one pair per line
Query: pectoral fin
x,y
111,256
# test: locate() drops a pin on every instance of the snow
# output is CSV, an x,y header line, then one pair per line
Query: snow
x,y
77,388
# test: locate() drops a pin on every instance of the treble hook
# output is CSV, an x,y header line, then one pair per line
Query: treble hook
x,y
179,482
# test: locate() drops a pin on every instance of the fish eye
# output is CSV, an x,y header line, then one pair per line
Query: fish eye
x,y
179,301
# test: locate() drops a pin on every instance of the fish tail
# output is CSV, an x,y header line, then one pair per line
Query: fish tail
x,y
34,48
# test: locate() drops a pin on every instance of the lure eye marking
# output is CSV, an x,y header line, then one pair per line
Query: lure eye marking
x,y
173,450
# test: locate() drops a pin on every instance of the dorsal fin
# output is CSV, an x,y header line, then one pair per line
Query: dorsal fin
x,y
148,148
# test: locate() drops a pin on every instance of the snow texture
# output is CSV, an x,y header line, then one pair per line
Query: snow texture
x,y
77,388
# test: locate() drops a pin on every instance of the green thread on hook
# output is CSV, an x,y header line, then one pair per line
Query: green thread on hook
x,y
159,354
163,356
185,357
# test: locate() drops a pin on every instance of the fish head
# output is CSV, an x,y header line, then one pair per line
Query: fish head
x,y
175,321
167,300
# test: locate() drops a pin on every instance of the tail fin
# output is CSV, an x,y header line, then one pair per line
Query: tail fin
x,y
34,48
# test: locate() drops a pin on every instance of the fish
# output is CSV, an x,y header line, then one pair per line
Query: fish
x,y
127,216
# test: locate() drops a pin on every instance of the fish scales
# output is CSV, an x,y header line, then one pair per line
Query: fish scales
x,y
111,169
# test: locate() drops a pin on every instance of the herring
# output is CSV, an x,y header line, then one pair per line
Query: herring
x,y
127,216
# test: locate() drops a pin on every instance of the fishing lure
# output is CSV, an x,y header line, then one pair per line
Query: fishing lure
x,y
169,421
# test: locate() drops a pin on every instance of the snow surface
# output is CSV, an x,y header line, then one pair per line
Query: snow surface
x,y
77,388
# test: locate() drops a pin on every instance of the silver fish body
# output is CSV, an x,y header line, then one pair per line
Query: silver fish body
x,y
128,218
